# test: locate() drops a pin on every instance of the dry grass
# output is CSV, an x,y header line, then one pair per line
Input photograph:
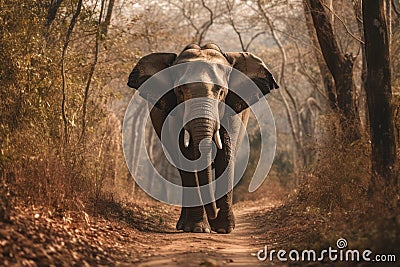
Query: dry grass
x,y
335,192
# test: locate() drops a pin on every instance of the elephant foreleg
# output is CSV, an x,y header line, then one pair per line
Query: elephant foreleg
x,y
192,219
224,164
225,221
180,225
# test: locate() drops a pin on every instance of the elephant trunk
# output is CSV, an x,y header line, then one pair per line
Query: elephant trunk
x,y
202,134
201,131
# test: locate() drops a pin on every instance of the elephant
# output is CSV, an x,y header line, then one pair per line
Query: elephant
x,y
218,215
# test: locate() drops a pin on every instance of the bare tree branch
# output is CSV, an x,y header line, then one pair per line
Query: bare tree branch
x,y
343,23
200,30
245,47
296,132
303,70
253,38
207,24
232,23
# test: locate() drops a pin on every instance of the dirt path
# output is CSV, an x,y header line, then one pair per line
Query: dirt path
x,y
188,249
135,235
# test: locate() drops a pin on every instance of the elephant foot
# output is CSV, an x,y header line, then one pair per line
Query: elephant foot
x,y
180,225
197,227
224,223
189,223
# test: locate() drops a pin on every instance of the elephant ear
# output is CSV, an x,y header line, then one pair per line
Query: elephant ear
x,y
254,68
147,67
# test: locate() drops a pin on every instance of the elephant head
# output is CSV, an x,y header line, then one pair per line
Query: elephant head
x,y
206,127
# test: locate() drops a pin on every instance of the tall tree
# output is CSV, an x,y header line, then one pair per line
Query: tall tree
x,y
107,20
325,74
341,67
379,93
52,11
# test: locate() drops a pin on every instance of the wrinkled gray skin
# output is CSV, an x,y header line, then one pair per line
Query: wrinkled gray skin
x,y
207,217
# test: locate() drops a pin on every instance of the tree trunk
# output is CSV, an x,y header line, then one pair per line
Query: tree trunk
x,y
325,74
341,68
362,101
379,95
52,12
107,20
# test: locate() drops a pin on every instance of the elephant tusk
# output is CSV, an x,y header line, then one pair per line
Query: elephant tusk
x,y
186,140
217,139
